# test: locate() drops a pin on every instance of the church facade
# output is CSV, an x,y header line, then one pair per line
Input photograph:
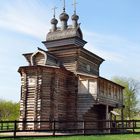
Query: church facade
x,y
63,82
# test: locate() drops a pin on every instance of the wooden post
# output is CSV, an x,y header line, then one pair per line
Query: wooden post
x,y
107,119
122,117
84,127
15,128
1,125
7,126
54,128
133,126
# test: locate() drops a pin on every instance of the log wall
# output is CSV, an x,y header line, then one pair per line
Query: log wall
x,y
68,55
86,66
47,94
77,59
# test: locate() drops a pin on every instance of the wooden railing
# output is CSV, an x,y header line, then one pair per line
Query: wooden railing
x,y
11,129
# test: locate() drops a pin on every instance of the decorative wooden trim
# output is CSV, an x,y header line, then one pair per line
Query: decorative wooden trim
x,y
65,42
39,51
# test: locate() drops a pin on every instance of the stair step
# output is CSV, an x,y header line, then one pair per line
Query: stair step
x,y
85,103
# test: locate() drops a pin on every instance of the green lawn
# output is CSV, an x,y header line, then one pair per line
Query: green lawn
x,y
112,137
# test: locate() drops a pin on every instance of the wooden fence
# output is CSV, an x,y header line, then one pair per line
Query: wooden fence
x,y
11,129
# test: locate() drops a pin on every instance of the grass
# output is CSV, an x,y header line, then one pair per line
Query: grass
x,y
111,137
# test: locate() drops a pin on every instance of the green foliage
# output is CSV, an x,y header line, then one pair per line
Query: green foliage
x,y
9,110
129,96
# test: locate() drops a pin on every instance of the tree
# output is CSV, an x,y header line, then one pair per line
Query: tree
x,y
9,110
130,95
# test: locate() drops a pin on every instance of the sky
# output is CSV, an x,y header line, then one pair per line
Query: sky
x,y
111,28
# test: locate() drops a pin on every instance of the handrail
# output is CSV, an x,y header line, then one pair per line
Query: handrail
x,y
68,127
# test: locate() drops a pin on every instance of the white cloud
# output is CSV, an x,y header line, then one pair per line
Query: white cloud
x,y
105,54
17,16
98,44
112,47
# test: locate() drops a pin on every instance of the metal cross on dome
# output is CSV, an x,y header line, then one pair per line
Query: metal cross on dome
x,y
74,5
64,5
54,10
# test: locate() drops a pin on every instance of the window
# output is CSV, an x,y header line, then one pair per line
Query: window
x,y
31,81
88,67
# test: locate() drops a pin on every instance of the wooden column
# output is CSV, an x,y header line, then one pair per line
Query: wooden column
x,y
122,116
38,99
25,89
107,117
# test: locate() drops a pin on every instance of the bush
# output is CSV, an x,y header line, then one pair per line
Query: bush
x,y
9,110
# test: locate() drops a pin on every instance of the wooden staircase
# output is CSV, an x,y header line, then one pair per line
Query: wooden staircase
x,y
84,102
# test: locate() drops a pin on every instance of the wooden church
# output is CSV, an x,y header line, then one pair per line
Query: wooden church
x,y
63,82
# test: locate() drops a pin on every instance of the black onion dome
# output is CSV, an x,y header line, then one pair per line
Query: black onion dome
x,y
54,21
75,17
64,16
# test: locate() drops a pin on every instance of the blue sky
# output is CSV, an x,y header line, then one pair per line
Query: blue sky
x,y
111,27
